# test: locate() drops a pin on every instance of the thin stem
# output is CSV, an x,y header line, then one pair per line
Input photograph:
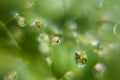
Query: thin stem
x,y
41,30
11,36
9,21
77,42
51,55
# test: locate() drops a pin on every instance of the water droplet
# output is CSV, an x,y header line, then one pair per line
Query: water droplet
x,y
15,14
43,37
21,21
99,68
56,40
72,25
39,23
40,37
69,75
48,61
75,34
95,44
81,58
36,22
43,47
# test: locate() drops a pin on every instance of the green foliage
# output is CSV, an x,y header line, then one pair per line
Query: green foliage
x,y
39,39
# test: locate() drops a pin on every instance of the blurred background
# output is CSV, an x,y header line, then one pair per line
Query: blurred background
x,y
39,38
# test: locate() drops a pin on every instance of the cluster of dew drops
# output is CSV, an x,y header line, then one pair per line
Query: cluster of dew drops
x,y
80,57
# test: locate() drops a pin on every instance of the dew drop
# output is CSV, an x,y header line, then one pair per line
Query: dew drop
x,y
48,61
81,58
69,75
95,44
99,68
39,23
56,40
42,37
15,14
21,21
43,47
72,25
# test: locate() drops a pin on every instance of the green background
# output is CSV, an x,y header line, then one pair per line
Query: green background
x,y
77,23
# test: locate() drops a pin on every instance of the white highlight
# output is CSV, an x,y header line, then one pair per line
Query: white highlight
x,y
115,27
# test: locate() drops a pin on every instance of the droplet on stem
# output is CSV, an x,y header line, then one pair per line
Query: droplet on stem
x,y
72,26
43,47
81,58
56,39
69,75
99,68
21,21
48,61
16,15
38,23
95,44
40,37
